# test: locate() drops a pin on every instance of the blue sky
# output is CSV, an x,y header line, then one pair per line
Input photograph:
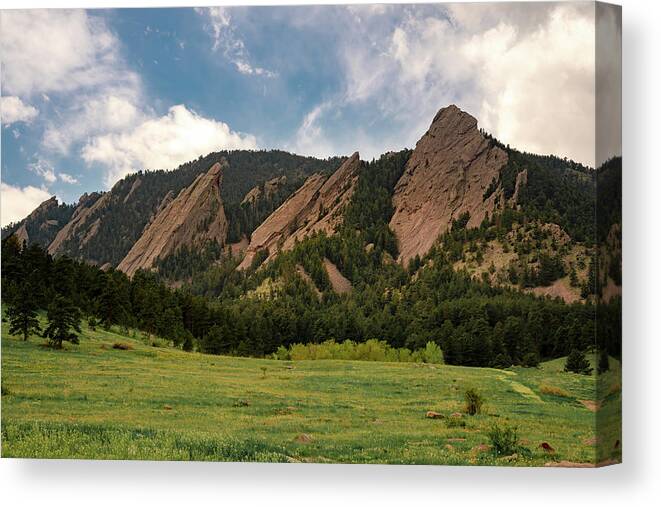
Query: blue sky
x,y
89,96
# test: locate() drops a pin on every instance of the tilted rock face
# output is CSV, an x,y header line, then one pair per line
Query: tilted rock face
x,y
79,223
195,216
448,172
316,206
269,188
22,235
43,209
38,216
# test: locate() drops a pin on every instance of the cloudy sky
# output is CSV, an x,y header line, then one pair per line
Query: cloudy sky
x,y
90,96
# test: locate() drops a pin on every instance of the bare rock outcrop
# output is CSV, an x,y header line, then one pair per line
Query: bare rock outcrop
x,y
264,191
21,234
340,284
80,224
42,210
195,216
316,206
521,181
37,216
447,175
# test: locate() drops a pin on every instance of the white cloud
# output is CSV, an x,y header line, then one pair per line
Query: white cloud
x,y
19,202
162,143
525,72
311,139
74,56
55,50
67,178
226,40
538,92
44,169
13,109
98,113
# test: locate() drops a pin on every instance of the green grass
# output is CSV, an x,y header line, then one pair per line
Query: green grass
x,y
93,401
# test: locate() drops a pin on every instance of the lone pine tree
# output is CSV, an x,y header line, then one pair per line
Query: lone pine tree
x,y
63,322
578,363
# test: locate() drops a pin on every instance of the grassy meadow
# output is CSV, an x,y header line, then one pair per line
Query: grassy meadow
x,y
159,403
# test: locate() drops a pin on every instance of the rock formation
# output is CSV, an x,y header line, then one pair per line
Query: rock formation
x,y
21,234
80,224
448,172
340,284
316,206
266,191
194,217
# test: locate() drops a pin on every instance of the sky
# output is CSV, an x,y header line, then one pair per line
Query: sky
x,y
91,96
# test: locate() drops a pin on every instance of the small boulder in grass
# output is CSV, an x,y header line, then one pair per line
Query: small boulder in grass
x,y
547,447
457,415
122,346
167,407
304,438
434,415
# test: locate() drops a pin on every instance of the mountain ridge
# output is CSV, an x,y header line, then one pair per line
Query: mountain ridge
x,y
456,177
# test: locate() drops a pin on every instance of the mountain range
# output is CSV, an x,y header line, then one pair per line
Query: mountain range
x,y
253,205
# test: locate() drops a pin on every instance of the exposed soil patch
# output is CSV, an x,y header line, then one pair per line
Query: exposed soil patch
x,y
559,289
592,406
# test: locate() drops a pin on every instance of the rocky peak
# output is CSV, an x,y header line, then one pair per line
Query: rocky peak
x,y
44,207
191,219
447,175
316,206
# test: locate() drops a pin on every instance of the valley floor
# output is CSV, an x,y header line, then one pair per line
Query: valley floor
x,y
94,401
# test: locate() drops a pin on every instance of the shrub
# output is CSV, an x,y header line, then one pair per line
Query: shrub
x,y
578,363
371,350
432,353
188,342
282,353
502,361
554,391
603,365
474,401
5,391
92,322
530,360
504,440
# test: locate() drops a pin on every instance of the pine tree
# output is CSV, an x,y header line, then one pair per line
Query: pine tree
x,y
603,365
22,312
63,322
578,363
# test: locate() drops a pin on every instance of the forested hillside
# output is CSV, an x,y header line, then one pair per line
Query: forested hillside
x,y
291,300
